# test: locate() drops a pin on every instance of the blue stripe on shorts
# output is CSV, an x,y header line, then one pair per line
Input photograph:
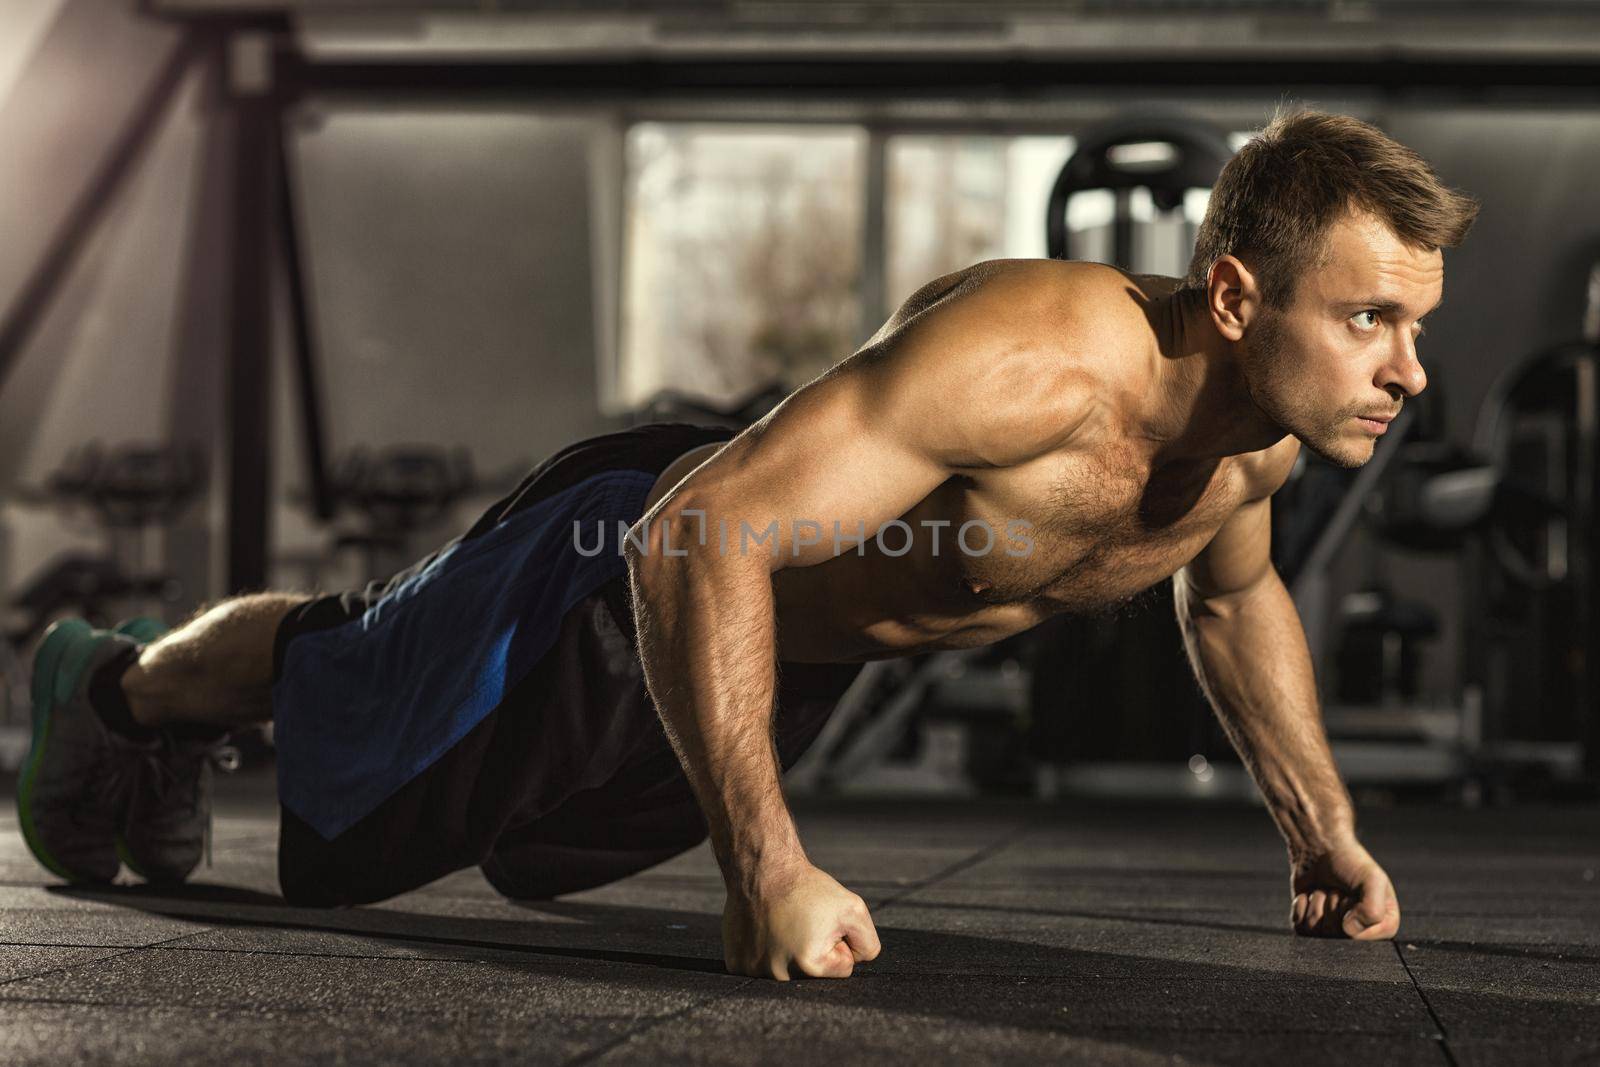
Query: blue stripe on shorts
x,y
362,708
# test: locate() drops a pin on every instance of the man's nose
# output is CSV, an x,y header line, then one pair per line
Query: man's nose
x,y
1403,371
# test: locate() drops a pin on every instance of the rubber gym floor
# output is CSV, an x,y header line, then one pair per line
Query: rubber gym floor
x,y
1012,932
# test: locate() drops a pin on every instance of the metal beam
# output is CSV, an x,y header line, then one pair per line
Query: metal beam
x,y
252,101
604,81
74,127
302,322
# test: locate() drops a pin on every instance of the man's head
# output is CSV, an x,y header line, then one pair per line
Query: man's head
x,y
1319,257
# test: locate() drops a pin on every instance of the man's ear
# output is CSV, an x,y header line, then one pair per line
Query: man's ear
x,y
1232,296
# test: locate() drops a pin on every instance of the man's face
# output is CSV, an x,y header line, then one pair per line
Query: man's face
x,y
1344,351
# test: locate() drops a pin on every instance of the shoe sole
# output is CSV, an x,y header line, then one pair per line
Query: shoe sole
x,y
59,663
144,630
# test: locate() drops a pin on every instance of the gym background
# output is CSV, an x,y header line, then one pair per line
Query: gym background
x,y
289,290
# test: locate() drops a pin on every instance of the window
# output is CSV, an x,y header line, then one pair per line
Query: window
x,y
954,201
745,244
743,256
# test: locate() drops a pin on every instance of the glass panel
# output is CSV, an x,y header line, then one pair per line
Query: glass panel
x,y
743,257
958,200
448,265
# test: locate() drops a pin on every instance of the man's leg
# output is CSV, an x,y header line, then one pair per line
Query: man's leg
x,y
645,813
184,691
588,842
119,766
215,670
394,766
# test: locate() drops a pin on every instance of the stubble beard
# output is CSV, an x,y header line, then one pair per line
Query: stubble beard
x,y
1290,404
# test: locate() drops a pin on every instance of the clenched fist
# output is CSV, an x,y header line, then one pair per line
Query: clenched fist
x,y
1344,893
800,924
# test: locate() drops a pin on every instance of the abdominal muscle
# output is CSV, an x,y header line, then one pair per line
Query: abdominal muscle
x,y
854,608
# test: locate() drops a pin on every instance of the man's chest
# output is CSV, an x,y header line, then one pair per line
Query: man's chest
x,y
1093,527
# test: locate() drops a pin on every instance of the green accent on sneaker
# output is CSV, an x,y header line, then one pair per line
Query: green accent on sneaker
x,y
62,638
142,628
75,659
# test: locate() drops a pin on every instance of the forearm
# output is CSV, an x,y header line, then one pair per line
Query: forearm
x,y
707,641
1250,656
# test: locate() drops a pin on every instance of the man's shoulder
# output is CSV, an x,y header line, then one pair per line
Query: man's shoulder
x,y
1032,365
1097,321
1063,292
1006,360
1077,317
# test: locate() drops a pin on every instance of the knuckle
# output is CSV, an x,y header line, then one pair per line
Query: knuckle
x,y
832,968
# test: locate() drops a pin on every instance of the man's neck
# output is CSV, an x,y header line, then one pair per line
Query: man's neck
x,y
1202,407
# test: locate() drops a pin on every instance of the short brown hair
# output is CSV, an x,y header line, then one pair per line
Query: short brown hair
x,y
1277,197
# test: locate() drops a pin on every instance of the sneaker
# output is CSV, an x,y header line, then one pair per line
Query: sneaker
x,y
167,829
78,778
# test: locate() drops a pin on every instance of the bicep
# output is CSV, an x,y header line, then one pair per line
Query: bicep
x,y
843,450
1239,556
1237,559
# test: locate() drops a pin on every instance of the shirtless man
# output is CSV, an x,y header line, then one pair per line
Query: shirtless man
x,y
562,715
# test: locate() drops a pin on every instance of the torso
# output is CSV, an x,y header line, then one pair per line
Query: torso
x,y
1103,526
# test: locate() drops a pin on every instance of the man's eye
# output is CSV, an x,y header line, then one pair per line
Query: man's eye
x,y
1376,317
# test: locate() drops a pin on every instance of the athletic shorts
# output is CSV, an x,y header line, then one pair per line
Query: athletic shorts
x,y
486,706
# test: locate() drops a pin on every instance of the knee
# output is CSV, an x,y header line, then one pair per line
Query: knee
x,y
303,889
545,871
